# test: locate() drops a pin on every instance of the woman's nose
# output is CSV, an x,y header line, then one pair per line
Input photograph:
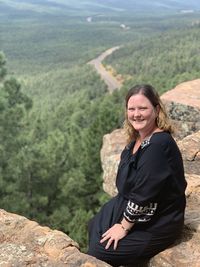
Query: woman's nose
x,y
137,113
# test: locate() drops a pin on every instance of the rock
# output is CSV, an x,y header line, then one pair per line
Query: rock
x,y
186,93
190,148
183,105
110,156
26,243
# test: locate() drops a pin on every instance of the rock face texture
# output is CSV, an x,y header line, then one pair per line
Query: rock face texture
x,y
190,148
113,144
183,103
26,243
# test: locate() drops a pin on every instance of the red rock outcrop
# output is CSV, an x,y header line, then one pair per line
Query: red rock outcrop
x,y
110,156
187,93
24,243
183,106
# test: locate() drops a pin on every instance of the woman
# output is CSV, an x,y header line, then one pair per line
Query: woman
x,y
147,215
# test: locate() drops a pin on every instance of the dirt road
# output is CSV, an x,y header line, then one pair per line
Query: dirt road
x,y
108,78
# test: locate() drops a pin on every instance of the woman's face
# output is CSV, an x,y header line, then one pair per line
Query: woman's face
x,y
141,114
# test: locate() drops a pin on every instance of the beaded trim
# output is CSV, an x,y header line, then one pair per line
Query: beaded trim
x,y
145,142
136,213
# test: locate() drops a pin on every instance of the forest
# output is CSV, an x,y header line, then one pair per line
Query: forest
x,y
55,109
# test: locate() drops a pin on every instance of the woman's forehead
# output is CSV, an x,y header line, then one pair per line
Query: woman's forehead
x,y
138,99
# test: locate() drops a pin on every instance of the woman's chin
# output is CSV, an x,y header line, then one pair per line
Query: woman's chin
x,y
138,127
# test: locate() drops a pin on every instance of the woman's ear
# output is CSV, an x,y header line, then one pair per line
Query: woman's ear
x,y
157,109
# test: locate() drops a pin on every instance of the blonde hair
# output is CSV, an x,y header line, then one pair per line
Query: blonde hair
x,y
162,121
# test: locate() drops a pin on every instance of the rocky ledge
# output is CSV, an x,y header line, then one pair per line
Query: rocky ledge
x,y
26,243
183,105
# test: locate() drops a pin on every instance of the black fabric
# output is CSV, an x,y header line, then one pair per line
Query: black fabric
x,y
153,177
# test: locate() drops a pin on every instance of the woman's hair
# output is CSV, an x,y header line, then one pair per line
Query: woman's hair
x,y
162,121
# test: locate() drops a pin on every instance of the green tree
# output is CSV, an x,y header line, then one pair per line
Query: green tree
x,y
14,105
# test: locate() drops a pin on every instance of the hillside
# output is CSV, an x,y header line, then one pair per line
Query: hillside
x,y
163,60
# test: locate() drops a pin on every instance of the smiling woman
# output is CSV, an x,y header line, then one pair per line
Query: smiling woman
x,y
145,113
142,115
147,215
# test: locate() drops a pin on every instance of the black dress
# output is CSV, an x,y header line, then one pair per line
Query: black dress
x,y
151,186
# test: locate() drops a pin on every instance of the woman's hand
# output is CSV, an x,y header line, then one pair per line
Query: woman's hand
x,y
114,234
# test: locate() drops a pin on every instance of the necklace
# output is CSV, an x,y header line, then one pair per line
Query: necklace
x,y
146,141
142,143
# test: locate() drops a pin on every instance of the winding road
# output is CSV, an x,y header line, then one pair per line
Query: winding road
x,y
108,78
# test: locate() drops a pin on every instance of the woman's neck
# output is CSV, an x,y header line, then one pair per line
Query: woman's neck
x,y
145,135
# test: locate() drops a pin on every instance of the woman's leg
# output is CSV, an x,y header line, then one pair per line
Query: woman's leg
x,y
127,253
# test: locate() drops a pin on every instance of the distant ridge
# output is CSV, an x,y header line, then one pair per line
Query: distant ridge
x,y
93,6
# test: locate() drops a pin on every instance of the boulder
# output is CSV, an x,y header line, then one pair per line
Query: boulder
x,y
113,144
183,105
26,243
190,148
